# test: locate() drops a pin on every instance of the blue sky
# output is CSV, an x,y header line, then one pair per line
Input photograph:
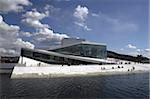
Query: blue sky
x,y
121,24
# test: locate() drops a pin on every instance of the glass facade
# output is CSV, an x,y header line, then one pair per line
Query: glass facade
x,y
52,59
85,50
41,56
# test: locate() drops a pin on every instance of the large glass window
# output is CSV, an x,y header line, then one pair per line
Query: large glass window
x,y
85,50
26,53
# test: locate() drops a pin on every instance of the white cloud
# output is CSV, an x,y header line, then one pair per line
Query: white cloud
x,y
95,15
26,34
9,40
81,13
44,38
34,23
43,33
25,44
131,46
35,15
79,24
32,18
4,51
46,34
136,51
147,50
140,52
7,31
85,27
13,5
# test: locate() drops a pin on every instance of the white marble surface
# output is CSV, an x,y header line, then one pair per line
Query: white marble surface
x,y
77,69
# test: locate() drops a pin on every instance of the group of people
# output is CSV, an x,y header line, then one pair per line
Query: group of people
x,y
118,67
133,68
103,68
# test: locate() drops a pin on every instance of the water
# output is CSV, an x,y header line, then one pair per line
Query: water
x,y
117,86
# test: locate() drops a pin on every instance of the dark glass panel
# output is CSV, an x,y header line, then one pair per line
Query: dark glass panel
x,y
85,50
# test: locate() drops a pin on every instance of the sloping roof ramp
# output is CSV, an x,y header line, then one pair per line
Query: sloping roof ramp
x,y
79,58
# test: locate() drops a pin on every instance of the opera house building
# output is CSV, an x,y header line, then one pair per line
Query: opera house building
x,y
72,51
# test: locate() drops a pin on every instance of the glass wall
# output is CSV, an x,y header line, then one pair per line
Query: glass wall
x,y
85,50
52,59
41,56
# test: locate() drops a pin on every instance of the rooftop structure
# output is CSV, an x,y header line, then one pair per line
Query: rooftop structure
x,y
68,41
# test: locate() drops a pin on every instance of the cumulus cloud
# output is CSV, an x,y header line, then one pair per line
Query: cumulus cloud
x,y
7,31
13,5
4,51
43,32
147,50
145,53
81,13
19,42
26,34
136,51
35,15
9,39
32,18
46,34
95,15
131,46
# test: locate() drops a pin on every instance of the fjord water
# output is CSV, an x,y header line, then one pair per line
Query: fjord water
x,y
114,86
